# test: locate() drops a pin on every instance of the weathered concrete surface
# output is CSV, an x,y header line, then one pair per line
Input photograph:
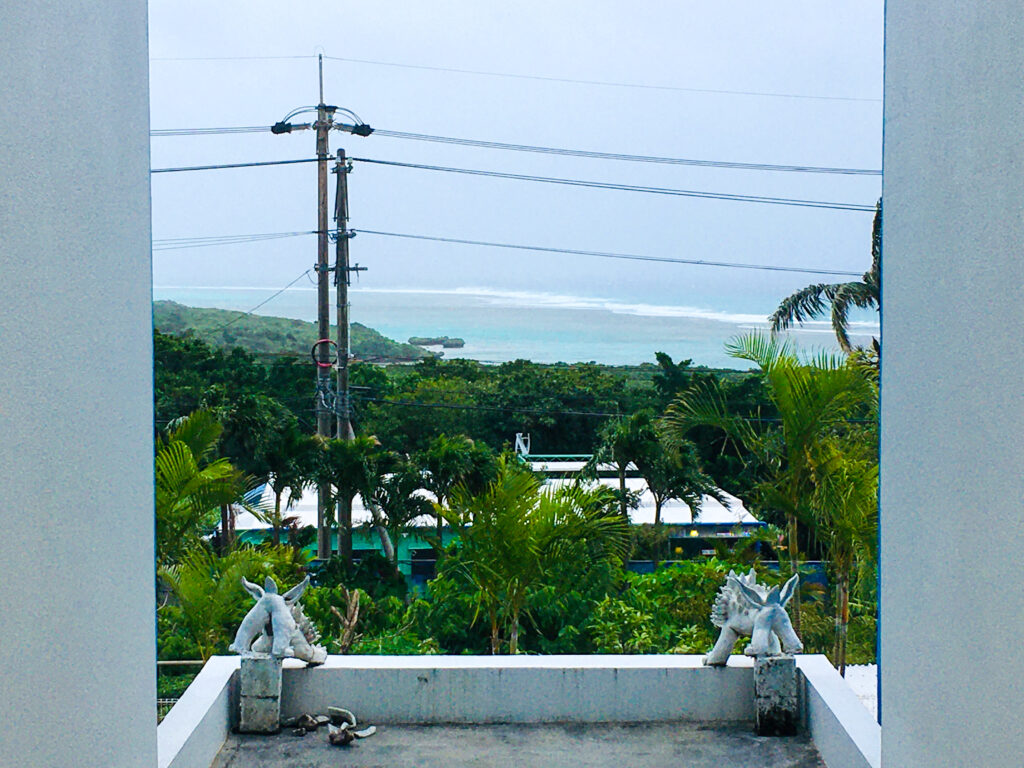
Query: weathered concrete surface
x,y
425,690
776,702
528,746
260,695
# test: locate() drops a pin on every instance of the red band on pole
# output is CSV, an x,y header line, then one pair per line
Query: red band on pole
x,y
313,353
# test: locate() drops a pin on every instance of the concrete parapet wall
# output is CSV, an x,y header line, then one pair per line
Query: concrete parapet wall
x,y
195,729
840,725
523,689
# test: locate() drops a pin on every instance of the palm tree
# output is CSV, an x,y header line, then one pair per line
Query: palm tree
x,y
671,469
352,467
811,302
190,488
846,511
623,443
512,533
289,457
814,400
396,502
453,460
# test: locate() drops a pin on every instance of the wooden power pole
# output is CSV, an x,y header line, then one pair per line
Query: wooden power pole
x,y
330,404
324,119
342,280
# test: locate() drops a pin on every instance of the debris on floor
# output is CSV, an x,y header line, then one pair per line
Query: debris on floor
x,y
341,726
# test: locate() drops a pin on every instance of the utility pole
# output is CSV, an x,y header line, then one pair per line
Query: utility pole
x,y
328,403
324,509
342,281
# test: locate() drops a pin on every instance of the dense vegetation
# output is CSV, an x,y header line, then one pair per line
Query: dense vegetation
x,y
271,335
531,571
563,407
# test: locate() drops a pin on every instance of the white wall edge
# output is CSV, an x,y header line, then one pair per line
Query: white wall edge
x,y
840,726
588,661
523,689
195,729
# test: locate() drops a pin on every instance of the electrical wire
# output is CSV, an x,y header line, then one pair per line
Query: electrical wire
x,y
205,242
543,78
209,131
231,58
266,300
609,255
171,244
604,83
622,156
459,407
592,154
626,187
231,165
539,412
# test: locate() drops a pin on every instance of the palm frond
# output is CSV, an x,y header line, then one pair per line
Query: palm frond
x,y
200,431
806,304
704,405
764,350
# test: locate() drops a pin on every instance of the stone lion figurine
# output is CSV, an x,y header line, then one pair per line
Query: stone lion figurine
x,y
744,607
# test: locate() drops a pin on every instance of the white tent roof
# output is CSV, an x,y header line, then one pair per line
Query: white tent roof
x,y
304,508
673,512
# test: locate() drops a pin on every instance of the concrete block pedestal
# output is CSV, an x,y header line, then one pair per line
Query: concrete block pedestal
x,y
259,695
776,702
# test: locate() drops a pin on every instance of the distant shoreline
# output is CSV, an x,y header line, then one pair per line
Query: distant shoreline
x,y
500,326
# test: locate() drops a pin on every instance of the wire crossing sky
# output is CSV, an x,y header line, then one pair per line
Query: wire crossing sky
x,y
583,123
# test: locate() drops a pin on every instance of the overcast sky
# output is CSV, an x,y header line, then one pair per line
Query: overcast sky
x,y
802,48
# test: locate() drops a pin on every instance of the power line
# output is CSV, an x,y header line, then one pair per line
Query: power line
x,y
627,187
610,255
204,242
224,166
266,300
171,244
459,407
543,78
230,58
622,156
604,83
157,132
592,154
540,412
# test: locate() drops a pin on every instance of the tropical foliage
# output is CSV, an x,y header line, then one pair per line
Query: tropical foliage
x,y
824,406
814,300
531,570
511,535
190,486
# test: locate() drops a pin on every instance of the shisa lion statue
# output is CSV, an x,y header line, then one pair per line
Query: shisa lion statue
x,y
276,625
744,607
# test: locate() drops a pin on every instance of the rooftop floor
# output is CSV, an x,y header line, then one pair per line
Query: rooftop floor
x,y
695,745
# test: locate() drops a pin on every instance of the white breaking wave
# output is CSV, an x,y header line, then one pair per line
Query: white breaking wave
x,y
543,300
540,300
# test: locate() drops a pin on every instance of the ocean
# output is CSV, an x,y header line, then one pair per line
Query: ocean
x,y
500,325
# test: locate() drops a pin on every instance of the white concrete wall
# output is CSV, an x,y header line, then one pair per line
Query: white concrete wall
x,y
842,729
76,525
523,689
193,732
952,481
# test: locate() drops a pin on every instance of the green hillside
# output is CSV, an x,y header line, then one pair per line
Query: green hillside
x,y
276,335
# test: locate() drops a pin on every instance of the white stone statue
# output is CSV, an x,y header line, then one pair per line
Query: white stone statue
x,y
276,625
744,607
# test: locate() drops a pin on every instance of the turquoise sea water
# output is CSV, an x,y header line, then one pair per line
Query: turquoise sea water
x,y
548,328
